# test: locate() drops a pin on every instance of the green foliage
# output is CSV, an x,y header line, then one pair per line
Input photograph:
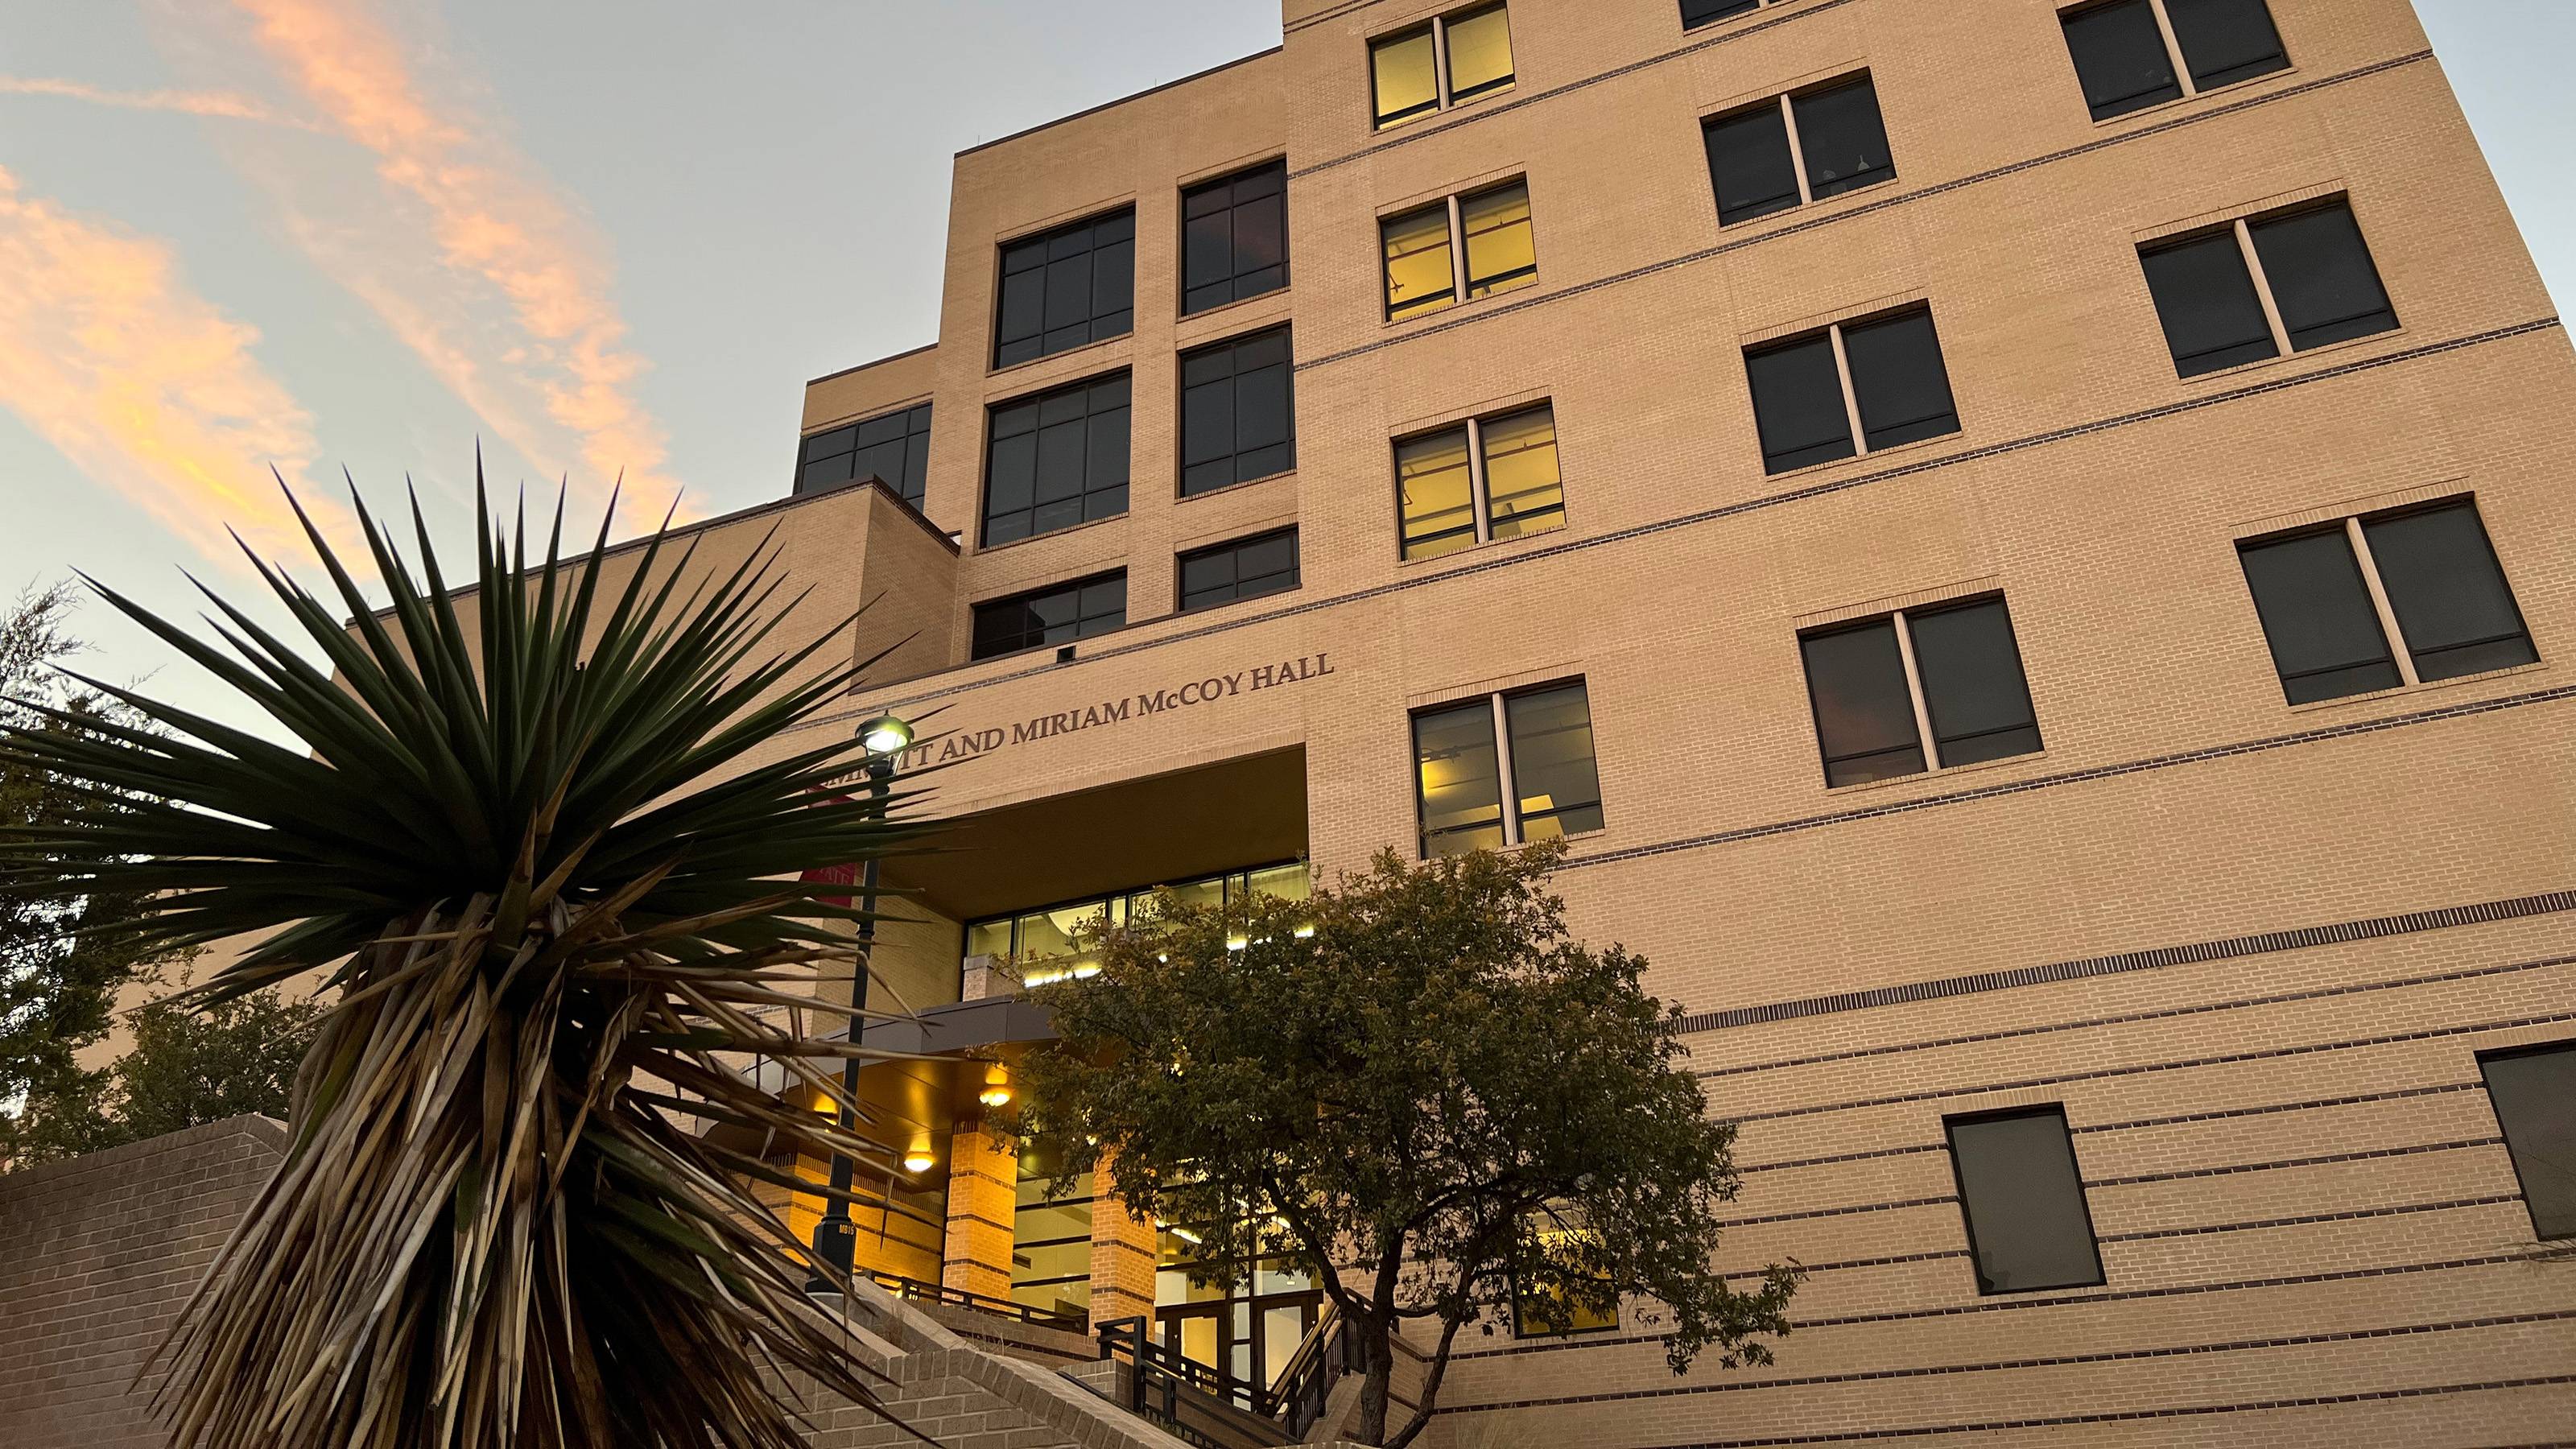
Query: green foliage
x,y
187,1067
1417,1086
551,859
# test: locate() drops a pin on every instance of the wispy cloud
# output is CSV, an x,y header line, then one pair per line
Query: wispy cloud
x,y
223,105
147,387
495,224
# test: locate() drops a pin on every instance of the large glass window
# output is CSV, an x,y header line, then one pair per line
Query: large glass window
x,y
1046,944
2270,285
1057,460
1246,568
1449,61
1071,287
1238,412
1051,1241
1234,238
2448,609
1543,1309
1507,769
2131,54
1059,614
2028,1226
1796,149
2534,1093
1469,246
894,449
1245,1325
1882,379
1696,13
1952,674
1487,479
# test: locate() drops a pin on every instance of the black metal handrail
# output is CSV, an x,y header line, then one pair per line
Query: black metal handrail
x,y
1305,1386
1156,1377
913,1290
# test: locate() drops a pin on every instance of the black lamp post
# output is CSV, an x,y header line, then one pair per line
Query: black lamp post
x,y
836,1238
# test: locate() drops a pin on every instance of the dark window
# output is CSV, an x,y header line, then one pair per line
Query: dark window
x,y
1069,287
1973,685
1899,380
1056,460
2028,1226
2317,613
1798,404
1234,238
1864,712
2534,1092
1238,412
1057,615
1749,160
2448,592
1702,12
1244,569
2205,296
1547,750
2225,41
2322,277
894,449
2120,57
1843,138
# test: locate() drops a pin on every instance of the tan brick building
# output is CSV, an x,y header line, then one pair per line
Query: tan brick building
x,y
2029,548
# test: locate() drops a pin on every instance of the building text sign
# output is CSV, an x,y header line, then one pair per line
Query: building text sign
x,y
966,744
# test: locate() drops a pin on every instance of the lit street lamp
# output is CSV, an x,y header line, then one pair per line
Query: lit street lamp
x,y
836,1238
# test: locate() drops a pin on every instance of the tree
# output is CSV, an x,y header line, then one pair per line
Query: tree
x,y
1419,1088
550,859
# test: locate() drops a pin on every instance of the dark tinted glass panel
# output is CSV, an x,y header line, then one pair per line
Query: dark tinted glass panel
x,y
1420,269
2317,613
2322,276
1245,569
1798,404
1401,72
1898,378
1234,238
2120,57
1843,139
1070,287
1435,494
2535,1102
1056,460
1058,615
894,448
2205,298
1553,769
1748,159
2024,1200
1973,685
1480,53
1237,412
2224,41
1458,780
1864,712
2449,594
1701,12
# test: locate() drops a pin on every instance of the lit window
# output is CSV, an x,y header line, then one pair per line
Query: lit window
x,y
2260,288
1448,62
2028,1226
1488,479
1238,412
893,449
1247,568
2534,1093
1047,944
1881,380
1797,149
1950,675
1556,1292
1051,1241
1234,238
1067,288
1056,460
1060,614
2383,601
1466,246
2131,54
1506,769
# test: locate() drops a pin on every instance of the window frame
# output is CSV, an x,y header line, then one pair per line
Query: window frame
x,y
2486,1082
1073,586
1226,882
1234,279
1750,7
1786,103
1480,501
2191,87
1835,332
2355,530
1296,568
899,486
2242,228
1001,253
1505,777
1461,282
1967,1215
1286,332
1926,737
1444,95
984,487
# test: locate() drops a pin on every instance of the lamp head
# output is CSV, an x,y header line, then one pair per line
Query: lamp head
x,y
886,735
997,1087
919,1161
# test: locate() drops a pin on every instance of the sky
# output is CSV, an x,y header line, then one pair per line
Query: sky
x,y
604,238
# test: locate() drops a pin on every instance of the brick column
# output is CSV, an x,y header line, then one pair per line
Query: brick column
x,y
983,1190
1122,1256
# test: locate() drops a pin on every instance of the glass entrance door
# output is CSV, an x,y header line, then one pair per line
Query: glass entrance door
x,y
1246,1340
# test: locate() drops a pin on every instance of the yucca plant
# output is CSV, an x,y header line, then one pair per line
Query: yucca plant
x,y
552,859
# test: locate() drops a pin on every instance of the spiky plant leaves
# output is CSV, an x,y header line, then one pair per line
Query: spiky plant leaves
x,y
551,857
